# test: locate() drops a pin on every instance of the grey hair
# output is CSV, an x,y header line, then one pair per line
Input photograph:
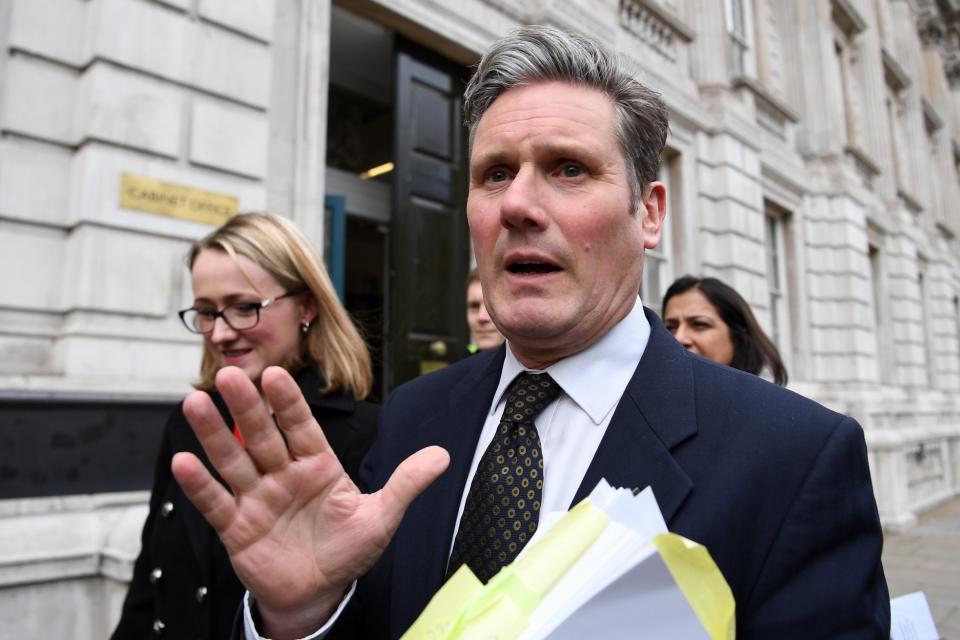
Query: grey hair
x,y
535,53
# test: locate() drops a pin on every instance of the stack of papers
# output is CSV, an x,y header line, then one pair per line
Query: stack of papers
x,y
603,568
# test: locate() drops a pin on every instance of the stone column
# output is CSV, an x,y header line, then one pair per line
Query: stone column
x,y
310,141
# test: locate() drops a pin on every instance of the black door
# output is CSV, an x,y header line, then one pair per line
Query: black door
x,y
429,257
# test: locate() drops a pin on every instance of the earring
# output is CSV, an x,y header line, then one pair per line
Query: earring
x,y
304,327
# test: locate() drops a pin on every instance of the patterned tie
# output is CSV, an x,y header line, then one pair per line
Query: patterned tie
x,y
503,505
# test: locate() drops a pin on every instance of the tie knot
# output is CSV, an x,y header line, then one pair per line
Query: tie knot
x,y
527,396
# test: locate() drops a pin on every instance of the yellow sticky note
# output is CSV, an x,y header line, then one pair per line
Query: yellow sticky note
x,y
466,609
701,582
441,615
500,619
561,546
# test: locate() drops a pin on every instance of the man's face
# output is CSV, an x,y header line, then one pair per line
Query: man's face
x,y
483,332
558,246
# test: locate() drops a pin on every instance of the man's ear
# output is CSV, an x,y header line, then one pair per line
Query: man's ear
x,y
653,208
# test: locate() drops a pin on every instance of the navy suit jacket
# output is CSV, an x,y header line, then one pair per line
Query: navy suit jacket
x,y
775,486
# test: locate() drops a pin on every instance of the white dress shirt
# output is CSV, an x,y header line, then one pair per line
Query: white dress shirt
x,y
570,428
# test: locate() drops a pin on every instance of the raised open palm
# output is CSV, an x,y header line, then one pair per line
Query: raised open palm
x,y
297,529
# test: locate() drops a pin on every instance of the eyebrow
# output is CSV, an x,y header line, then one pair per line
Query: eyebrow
x,y
233,298
504,154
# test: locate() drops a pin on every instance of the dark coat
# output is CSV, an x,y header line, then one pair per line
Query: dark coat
x,y
183,578
775,486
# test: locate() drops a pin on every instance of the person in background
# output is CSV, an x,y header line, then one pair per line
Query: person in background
x,y
261,298
709,318
483,333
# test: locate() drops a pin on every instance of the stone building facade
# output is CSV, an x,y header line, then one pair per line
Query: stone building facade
x,y
813,163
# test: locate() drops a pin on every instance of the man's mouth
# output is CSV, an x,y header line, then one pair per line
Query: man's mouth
x,y
530,268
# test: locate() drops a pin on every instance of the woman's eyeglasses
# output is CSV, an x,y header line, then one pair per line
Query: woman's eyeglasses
x,y
239,317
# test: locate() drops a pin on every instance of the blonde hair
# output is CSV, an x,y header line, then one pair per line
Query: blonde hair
x,y
332,343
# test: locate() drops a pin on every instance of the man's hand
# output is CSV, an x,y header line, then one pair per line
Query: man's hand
x,y
297,529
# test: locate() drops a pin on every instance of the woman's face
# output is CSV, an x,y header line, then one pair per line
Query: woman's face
x,y
218,282
695,323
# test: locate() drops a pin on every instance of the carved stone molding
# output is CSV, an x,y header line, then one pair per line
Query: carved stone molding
x,y
951,67
574,16
897,79
772,113
847,17
932,29
654,25
524,12
866,168
931,119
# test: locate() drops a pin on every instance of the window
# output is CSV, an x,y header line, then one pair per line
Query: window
x,y
778,259
774,276
738,27
847,24
925,308
886,371
658,270
843,104
956,342
894,112
896,81
652,288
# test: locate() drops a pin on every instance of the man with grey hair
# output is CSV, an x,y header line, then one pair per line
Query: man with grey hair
x,y
563,201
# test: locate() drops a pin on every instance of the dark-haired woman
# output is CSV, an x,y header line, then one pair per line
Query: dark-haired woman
x,y
711,319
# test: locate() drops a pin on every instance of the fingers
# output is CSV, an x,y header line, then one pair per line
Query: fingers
x,y
304,436
208,496
225,453
263,441
414,474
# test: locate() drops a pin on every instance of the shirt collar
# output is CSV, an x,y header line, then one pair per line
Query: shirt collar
x,y
596,377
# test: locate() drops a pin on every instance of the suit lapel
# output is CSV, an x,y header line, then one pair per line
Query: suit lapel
x,y
423,540
655,414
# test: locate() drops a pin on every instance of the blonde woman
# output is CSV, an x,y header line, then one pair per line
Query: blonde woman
x,y
261,298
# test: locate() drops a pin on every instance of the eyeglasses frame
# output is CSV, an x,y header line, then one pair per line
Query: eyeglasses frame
x,y
219,313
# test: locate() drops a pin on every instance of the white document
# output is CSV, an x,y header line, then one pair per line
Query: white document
x,y
644,603
620,586
910,618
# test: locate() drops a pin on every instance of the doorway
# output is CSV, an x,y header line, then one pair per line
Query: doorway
x,y
396,153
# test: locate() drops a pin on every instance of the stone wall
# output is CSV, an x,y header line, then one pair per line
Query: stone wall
x,y
839,120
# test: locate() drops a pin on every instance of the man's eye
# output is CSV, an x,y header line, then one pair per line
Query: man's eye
x,y
571,170
497,175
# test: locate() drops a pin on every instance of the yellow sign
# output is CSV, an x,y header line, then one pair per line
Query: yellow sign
x,y
167,199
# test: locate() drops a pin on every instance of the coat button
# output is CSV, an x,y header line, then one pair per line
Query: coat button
x,y
201,595
158,626
166,510
155,575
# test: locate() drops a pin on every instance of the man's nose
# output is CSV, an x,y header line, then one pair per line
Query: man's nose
x,y
222,332
522,206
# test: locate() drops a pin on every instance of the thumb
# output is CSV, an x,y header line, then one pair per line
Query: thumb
x,y
414,474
